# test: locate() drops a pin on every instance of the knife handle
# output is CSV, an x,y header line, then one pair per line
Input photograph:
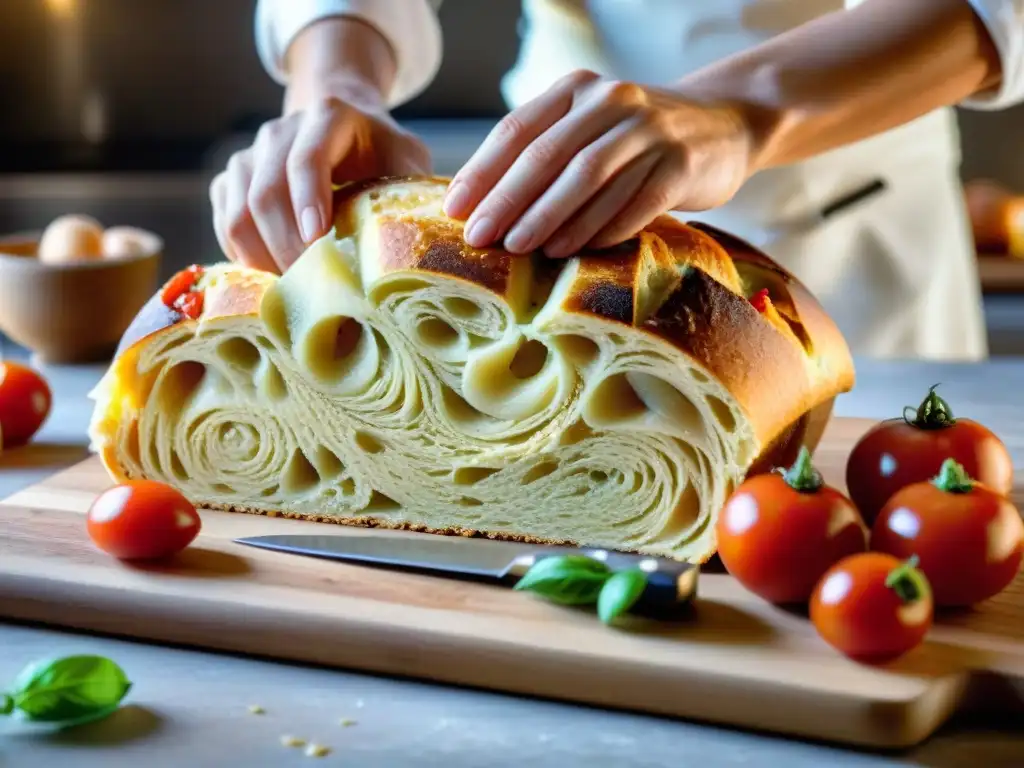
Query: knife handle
x,y
671,585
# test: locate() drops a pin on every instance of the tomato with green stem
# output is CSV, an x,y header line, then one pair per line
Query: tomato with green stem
x,y
142,520
969,539
900,452
779,532
873,607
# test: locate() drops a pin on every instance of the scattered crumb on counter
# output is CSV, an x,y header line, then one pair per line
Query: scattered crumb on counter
x,y
256,709
293,741
345,722
317,750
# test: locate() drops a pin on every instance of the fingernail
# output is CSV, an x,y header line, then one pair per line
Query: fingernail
x,y
456,199
517,241
310,223
481,232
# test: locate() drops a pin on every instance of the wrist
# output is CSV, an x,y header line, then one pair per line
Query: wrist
x,y
749,97
349,87
340,57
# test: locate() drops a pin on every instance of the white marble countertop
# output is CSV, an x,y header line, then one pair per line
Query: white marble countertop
x,y
190,708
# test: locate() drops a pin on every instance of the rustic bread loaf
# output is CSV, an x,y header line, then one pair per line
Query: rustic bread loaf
x,y
396,377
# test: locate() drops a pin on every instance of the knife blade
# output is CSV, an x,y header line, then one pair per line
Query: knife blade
x,y
671,585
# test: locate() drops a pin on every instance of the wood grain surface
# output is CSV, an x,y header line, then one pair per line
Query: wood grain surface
x,y
736,661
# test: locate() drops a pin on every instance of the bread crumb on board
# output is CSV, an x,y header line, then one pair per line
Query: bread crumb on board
x,y
256,709
292,741
345,722
317,750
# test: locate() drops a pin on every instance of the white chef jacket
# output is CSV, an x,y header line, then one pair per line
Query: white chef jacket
x,y
898,273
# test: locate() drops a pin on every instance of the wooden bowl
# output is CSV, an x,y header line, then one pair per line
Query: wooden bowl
x,y
73,312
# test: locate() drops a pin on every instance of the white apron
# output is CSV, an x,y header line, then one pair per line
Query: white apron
x,y
897,273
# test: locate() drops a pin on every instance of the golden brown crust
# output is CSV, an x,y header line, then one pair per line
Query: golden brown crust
x,y
376,522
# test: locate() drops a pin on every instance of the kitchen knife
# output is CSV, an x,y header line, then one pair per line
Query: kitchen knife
x,y
670,586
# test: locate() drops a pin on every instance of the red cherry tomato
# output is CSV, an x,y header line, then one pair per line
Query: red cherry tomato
x,y
873,607
777,534
969,540
899,452
180,284
25,401
142,520
190,304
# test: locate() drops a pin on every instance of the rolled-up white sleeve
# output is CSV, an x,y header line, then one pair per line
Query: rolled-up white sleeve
x,y
1004,20
410,26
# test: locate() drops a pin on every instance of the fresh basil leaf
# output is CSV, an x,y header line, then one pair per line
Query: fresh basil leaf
x,y
620,593
71,689
568,579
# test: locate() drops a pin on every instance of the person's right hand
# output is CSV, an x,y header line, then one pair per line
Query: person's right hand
x,y
274,197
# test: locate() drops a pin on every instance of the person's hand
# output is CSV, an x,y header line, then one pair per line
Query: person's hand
x,y
274,198
592,161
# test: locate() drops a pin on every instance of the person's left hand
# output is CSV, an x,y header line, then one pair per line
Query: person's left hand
x,y
592,161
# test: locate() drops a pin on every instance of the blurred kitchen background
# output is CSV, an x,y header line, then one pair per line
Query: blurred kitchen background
x,y
126,109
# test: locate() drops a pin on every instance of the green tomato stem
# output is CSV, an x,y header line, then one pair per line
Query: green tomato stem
x,y
953,478
802,476
6,704
932,413
909,584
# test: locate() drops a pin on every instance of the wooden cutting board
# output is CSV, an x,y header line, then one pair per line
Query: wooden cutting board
x,y
738,661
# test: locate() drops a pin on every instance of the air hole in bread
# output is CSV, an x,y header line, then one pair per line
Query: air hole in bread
x,y
468,501
271,383
239,353
223,488
464,309
132,443
178,385
699,376
644,401
459,410
328,465
472,475
597,476
368,443
684,515
577,433
271,491
529,359
177,468
336,347
299,475
581,351
539,471
275,319
435,332
476,341
386,289
172,343
382,503
348,486
722,412
347,338
616,339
